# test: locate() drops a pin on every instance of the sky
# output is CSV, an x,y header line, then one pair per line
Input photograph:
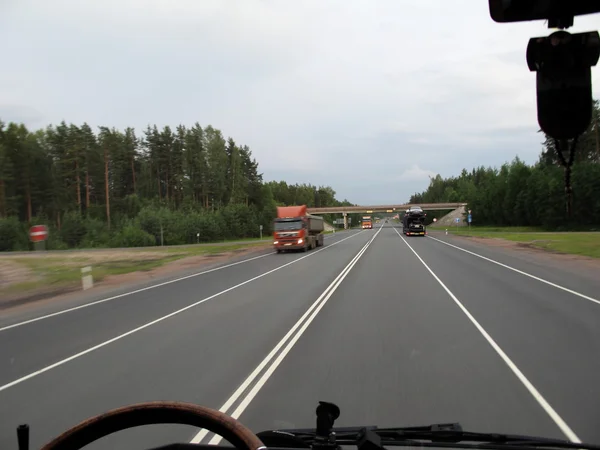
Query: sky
x,y
370,97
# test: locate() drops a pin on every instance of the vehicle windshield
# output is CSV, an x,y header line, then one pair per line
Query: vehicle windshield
x,y
286,225
257,205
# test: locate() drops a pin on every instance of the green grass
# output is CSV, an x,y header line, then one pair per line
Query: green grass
x,y
53,272
59,271
575,243
467,230
194,250
265,236
222,242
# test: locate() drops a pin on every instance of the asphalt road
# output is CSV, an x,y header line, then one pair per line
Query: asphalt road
x,y
397,331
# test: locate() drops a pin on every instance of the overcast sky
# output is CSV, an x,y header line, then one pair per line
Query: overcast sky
x,y
370,97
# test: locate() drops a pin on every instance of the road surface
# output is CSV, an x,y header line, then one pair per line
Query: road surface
x,y
395,330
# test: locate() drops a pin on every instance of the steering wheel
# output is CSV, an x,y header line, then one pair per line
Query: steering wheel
x,y
151,413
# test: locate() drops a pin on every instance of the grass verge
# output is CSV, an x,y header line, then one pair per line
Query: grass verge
x,y
53,272
466,230
575,243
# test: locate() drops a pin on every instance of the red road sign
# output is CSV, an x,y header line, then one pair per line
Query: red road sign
x,y
38,233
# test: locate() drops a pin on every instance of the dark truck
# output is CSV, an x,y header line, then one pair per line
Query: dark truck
x,y
413,222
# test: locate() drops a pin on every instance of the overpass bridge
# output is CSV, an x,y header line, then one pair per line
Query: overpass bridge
x,y
345,210
383,208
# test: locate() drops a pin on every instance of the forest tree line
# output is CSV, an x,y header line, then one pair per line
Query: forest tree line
x,y
113,188
518,194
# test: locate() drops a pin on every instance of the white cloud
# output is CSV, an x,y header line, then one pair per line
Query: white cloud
x,y
415,173
341,92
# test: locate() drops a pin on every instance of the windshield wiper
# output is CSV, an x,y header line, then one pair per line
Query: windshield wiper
x,y
443,433
327,437
453,433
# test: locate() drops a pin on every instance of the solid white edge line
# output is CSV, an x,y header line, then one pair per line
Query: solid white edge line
x,y
570,291
314,309
160,319
125,294
567,431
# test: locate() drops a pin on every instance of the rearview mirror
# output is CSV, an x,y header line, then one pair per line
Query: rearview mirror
x,y
503,11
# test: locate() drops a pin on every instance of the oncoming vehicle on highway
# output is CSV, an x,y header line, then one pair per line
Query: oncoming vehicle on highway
x,y
295,229
367,223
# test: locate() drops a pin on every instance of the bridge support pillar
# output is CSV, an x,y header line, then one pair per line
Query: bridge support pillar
x,y
345,221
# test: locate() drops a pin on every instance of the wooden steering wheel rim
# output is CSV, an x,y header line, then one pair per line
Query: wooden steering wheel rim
x,y
150,413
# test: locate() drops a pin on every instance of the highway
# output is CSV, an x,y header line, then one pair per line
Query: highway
x,y
397,331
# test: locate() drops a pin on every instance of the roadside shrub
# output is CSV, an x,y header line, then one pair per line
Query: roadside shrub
x,y
54,242
96,234
150,220
13,235
132,236
208,225
72,229
239,221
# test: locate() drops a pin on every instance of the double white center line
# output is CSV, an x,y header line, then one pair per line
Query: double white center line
x,y
251,386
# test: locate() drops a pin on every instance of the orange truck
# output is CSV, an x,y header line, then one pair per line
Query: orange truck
x,y
367,222
295,229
